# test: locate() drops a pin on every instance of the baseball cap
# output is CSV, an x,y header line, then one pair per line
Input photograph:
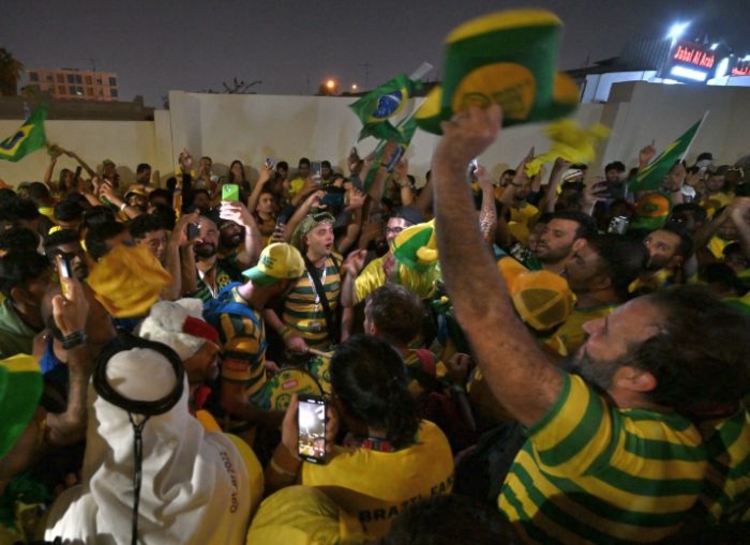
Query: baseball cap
x,y
651,212
542,299
278,261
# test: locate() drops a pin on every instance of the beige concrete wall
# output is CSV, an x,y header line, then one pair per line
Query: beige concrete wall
x,y
253,127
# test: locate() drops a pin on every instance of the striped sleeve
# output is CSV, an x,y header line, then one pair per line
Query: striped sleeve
x,y
593,472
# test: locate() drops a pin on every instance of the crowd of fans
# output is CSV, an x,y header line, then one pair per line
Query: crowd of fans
x,y
547,359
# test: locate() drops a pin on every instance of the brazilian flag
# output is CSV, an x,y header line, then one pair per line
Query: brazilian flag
x,y
29,137
377,107
652,177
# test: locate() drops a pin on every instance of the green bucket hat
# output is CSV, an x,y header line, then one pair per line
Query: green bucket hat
x,y
509,58
20,390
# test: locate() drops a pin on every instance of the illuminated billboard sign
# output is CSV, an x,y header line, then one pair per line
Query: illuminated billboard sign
x,y
689,62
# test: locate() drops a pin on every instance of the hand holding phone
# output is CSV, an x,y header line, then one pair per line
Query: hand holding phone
x,y
311,426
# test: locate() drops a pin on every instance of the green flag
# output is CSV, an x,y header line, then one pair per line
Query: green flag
x,y
377,107
29,137
652,177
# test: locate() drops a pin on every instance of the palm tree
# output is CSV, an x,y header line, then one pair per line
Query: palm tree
x,y
10,73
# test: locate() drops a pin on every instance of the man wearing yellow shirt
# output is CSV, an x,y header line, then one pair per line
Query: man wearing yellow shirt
x,y
598,273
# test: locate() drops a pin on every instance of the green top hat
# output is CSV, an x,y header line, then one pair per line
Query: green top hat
x,y
509,58
20,391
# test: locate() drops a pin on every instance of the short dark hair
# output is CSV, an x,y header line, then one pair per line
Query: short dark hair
x,y
282,164
96,239
18,210
303,161
615,165
622,259
98,215
18,239
38,192
698,211
19,267
701,356
685,247
58,238
396,312
142,167
586,224
68,210
141,225
166,214
369,379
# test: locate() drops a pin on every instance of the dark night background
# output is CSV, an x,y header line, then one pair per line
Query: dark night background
x,y
291,46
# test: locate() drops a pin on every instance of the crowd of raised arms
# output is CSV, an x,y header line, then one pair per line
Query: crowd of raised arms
x,y
347,354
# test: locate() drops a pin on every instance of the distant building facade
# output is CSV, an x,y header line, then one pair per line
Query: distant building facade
x,y
74,84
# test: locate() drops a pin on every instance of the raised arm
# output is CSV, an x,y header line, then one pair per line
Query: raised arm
x,y
514,366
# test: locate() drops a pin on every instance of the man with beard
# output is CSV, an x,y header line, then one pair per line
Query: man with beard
x,y
599,273
67,244
562,236
608,455
213,273
669,248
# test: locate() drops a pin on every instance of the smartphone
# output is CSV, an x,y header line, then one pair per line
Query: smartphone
x,y
311,423
316,169
333,199
193,231
78,172
230,192
63,270
270,162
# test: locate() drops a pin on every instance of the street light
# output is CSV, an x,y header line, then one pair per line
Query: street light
x,y
354,87
676,30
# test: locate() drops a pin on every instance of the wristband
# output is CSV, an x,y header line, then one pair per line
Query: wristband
x,y
280,470
74,339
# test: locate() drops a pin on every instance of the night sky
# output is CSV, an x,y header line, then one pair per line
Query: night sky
x,y
291,46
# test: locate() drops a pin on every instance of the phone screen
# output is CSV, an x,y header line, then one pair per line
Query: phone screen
x,y
63,271
316,169
311,422
230,192
192,231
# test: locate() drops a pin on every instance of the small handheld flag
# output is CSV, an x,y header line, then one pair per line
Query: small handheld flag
x,y
652,177
380,106
29,137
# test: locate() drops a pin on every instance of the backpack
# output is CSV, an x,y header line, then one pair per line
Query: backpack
x,y
449,412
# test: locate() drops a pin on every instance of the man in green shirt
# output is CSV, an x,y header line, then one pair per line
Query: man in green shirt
x,y
24,278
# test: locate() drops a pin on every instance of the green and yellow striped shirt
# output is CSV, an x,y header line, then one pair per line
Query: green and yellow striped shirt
x,y
590,472
243,342
726,497
307,317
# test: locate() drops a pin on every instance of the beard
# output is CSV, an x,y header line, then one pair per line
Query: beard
x,y
204,250
596,372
